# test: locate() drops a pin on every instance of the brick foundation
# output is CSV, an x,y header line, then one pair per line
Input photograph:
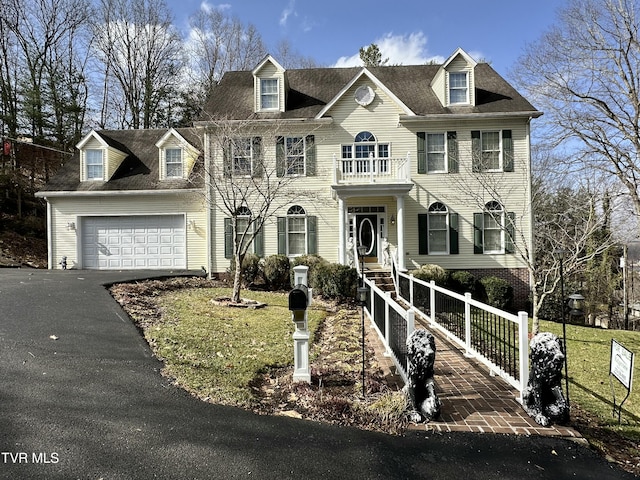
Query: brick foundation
x,y
518,278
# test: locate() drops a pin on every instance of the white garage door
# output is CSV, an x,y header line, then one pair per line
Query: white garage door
x,y
133,242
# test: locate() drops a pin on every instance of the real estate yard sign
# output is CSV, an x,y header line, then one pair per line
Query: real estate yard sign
x,y
620,367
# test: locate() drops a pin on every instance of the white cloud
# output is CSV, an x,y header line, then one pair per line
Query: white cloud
x,y
410,49
287,12
207,7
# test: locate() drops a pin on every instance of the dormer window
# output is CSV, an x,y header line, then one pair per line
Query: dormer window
x,y
94,162
173,162
269,94
458,87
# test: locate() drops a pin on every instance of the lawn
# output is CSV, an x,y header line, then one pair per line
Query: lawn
x,y
215,351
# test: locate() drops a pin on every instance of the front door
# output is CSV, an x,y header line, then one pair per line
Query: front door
x,y
367,235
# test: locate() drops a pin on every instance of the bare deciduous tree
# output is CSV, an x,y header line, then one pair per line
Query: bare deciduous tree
x,y
249,178
219,43
142,57
583,73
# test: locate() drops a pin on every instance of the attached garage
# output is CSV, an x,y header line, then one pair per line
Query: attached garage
x,y
133,242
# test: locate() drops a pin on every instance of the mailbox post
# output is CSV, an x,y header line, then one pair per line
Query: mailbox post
x,y
299,301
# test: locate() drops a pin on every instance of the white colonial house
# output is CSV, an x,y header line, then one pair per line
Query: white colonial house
x,y
433,160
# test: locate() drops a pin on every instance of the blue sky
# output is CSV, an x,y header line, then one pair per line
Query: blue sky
x,y
407,31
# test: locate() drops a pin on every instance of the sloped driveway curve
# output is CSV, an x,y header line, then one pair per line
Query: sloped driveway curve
x,y
81,396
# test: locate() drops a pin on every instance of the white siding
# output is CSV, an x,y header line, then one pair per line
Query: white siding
x,y
64,210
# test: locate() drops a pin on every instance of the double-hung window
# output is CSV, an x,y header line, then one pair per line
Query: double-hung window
x,y
294,154
492,151
244,233
269,94
436,153
458,87
173,162
296,231
438,231
241,155
494,230
94,161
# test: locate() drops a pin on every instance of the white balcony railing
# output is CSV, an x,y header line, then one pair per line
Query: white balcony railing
x,y
371,170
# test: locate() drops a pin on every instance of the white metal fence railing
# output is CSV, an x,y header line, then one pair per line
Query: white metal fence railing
x,y
496,338
392,322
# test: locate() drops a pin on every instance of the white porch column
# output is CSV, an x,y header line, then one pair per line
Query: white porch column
x,y
400,229
341,235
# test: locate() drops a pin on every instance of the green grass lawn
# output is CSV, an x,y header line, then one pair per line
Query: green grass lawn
x,y
588,354
216,351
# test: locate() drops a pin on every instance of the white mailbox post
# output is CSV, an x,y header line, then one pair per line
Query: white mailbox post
x,y
299,301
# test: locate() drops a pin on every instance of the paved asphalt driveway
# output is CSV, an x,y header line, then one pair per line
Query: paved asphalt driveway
x,y
92,404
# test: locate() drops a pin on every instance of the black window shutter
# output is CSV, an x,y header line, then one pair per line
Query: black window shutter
x,y
507,151
423,234
422,152
452,151
282,235
509,243
228,238
280,157
226,159
454,249
476,151
258,243
312,235
310,145
478,228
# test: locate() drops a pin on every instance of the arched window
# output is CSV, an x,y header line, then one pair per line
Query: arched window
x,y
364,154
296,231
438,226
493,228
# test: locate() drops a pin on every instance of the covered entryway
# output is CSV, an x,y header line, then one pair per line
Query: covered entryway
x,y
133,242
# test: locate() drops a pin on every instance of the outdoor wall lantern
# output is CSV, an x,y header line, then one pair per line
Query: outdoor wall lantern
x,y
192,224
392,219
71,225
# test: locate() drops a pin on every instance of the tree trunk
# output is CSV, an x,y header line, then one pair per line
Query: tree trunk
x,y
237,279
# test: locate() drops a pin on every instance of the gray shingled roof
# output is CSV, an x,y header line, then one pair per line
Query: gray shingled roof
x,y
311,89
138,171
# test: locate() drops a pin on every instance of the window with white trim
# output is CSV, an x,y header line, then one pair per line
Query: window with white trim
x,y
493,228
294,153
94,162
458,87
296,231
491,158
241,155
436,152
438,226
364,154
269,94
173,163
243,218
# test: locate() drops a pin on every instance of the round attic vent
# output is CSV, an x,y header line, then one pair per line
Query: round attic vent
x,y
364,95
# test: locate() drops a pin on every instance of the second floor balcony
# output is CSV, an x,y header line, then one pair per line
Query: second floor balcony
x,y
371,170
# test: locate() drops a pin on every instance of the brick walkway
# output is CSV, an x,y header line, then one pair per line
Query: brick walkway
x,y
472,400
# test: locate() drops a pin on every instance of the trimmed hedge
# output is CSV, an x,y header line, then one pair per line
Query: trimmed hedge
x,y
498,292
277,269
